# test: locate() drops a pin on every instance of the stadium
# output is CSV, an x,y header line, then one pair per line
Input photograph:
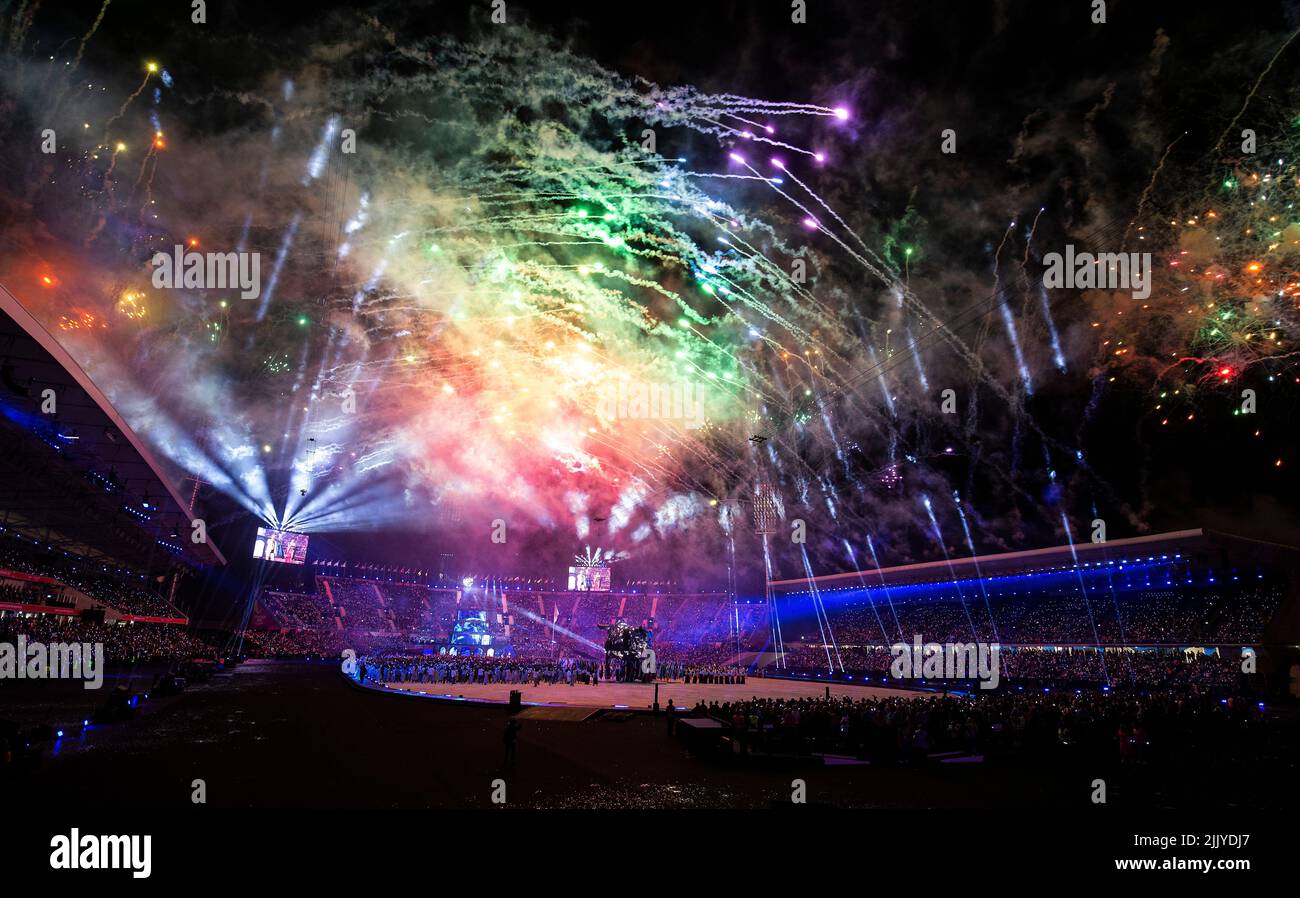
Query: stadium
x,y
98,541
392,420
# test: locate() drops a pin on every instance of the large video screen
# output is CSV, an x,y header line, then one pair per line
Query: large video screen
x,y
280,545
589,579
471,629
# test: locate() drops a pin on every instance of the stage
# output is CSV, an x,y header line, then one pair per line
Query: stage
x,y
640,696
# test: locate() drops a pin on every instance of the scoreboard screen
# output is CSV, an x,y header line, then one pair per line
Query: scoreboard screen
x,y
471,629
589,579
283,546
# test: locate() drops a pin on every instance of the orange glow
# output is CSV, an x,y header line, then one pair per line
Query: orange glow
x,y
80,319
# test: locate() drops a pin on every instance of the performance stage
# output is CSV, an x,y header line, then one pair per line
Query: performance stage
x,y
640,696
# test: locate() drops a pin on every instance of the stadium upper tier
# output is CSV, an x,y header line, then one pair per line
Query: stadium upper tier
x,y
1199,548
35,576
1181,588
1173,599
72,472
368,612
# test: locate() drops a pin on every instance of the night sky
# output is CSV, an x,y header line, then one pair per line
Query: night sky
x,y
448,313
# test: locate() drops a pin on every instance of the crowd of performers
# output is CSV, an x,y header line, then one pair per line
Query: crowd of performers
x,y
487,669
699,673
481,669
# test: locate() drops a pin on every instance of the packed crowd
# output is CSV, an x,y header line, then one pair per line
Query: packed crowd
x,y
1150,668
706,635
1123,725
366,613
128,642
126,597
292,644
299,611
21,592
359,604
1235,611
129,596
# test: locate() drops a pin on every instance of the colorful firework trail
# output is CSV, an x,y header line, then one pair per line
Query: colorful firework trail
x,y
1235,262
489,291
511,298
1223,327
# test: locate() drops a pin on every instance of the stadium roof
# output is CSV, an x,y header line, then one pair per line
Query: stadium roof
x,y
1197,545
80,479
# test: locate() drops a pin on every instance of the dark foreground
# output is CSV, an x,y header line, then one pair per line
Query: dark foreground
x,y
293,734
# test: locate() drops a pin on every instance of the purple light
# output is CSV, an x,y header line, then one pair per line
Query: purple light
x,y
736,157
778,163
841,113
